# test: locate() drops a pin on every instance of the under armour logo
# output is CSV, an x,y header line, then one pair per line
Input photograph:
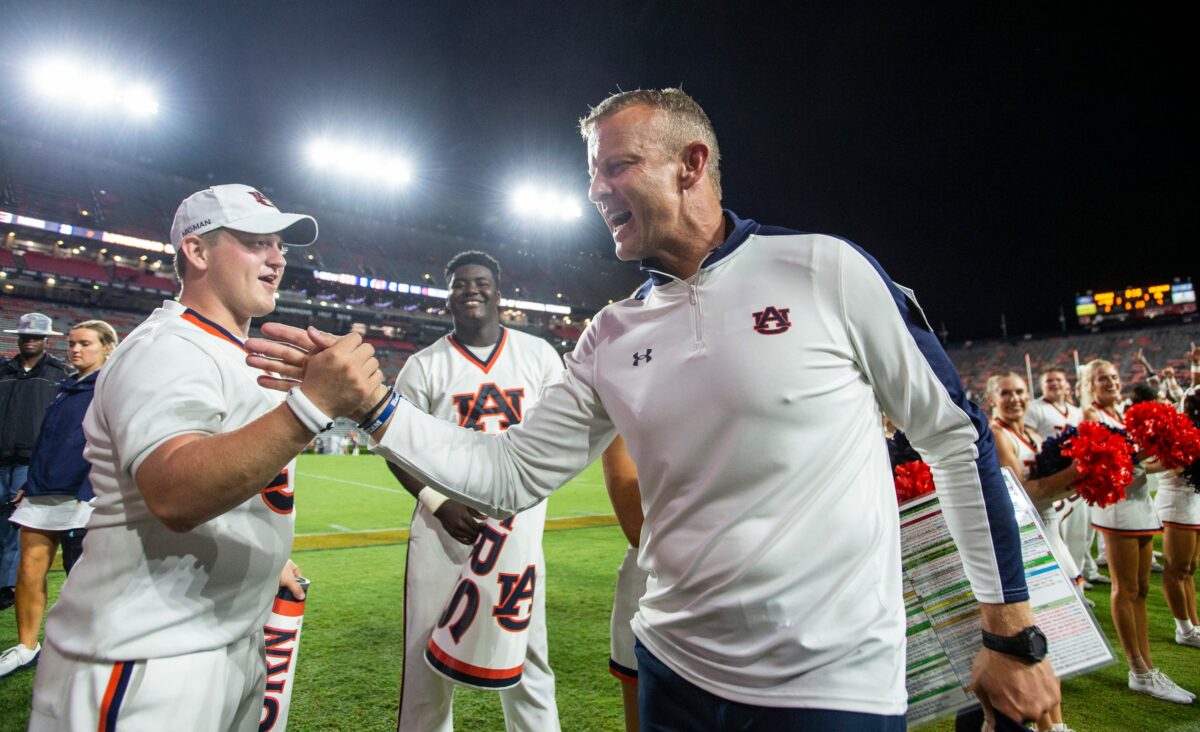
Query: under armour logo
x,y
639,357
261,199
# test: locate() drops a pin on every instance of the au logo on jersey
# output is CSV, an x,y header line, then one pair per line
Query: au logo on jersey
x,y
772,320
277,496
489,401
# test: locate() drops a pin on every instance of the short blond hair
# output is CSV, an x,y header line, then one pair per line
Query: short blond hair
x,y
993,383
686,123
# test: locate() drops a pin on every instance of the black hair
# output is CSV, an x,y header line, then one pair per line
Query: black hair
x,y
1143,392
473,256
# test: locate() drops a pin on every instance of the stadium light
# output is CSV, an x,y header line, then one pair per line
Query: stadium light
x,y
66,81
358,162
537,202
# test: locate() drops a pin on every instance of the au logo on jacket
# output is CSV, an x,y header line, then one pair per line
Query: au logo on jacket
x,y
772,320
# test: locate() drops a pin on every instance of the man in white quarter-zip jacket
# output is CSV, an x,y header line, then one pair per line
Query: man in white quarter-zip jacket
x,y
749,378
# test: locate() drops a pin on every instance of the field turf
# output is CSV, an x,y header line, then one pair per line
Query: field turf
x,y
352,521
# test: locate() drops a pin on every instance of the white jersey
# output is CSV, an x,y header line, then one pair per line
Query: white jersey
x,y
750,398
484,605
1048,419
141,590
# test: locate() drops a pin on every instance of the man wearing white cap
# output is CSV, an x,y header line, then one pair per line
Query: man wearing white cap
x,y
160,622
28,383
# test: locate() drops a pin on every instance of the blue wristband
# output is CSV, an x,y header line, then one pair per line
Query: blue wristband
x,y
384,415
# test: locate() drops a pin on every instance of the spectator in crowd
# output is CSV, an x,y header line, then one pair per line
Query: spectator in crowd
x,y
53,507
1164,382
1129,526
28,383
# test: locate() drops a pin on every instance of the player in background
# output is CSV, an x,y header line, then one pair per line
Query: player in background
x,y
482,377
1016,449
621,481
159,625
1048,417
1129,528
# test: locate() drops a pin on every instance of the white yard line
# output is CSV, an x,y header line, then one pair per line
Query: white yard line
x,y
372,486
343,530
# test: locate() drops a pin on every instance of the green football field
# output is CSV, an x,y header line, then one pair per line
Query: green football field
x,y
351,521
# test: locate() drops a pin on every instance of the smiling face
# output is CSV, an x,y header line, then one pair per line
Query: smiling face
x,y
636,182
474,300
243,271
1010,399
1106,385
1055,386
85,351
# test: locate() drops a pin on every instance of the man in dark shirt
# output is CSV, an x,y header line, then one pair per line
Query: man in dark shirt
x,y
28,383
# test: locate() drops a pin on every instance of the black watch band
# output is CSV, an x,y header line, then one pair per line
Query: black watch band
x,y
1029,645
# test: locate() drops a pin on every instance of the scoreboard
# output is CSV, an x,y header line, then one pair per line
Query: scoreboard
x,y
1151,301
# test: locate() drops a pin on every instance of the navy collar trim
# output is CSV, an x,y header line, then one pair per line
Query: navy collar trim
x,y
211,328
483,363
742,230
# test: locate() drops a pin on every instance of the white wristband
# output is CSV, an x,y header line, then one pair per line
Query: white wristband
x,y
313,419
431,499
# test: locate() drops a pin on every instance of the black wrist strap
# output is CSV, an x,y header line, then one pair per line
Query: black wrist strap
x,y
371,412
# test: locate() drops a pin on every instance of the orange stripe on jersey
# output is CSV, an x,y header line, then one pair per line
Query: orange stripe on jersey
x,y
1128,532
114,694
487,365
210,327
1177,525
472,670
290,608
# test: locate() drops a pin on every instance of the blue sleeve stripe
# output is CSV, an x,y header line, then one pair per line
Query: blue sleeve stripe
x,y
1006,539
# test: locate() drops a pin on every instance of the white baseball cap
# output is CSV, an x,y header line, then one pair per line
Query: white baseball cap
x,y
35,324
241,208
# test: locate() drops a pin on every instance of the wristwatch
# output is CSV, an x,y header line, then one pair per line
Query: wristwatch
x,y
1029,645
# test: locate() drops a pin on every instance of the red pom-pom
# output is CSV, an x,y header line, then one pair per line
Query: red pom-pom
x,y
1163,433
1105,463
912,479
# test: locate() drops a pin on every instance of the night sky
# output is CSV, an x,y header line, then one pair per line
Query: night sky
x,y
995,160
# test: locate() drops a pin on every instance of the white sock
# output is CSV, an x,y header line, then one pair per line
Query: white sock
x,y
1183,625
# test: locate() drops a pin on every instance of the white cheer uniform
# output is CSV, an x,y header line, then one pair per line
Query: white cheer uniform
x,y
486,391
750,398
1134,515
1177,503
1027,446
155,628
1075,528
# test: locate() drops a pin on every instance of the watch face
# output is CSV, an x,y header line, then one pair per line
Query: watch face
x,y
1037,642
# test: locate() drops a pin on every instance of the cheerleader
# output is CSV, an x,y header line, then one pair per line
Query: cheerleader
x,y
1129,527
1016,449
1178,505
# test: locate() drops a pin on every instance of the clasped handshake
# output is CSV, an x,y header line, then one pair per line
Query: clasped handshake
x,y
339,374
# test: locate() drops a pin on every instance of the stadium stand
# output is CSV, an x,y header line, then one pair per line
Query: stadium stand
x,y
1165,345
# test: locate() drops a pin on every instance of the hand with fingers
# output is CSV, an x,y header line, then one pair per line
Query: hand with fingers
x,y
1015,689
339,375
462,523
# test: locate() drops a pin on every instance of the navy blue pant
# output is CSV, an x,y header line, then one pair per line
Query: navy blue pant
x,y
668,703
